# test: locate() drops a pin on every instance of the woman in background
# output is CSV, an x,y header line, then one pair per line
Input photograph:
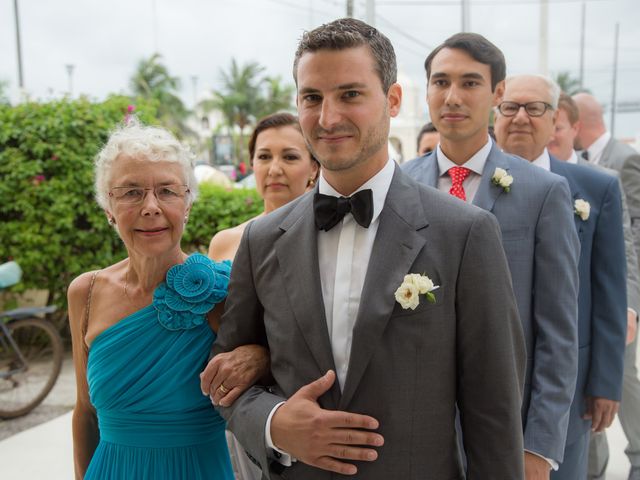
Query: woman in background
x,y
283,167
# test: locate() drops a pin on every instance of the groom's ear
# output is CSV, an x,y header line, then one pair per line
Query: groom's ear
x,y
394,99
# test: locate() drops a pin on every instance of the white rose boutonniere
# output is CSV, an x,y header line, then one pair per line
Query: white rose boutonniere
x,y
414,285
582,209
502,179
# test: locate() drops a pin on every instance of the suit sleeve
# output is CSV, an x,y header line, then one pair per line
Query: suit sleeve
x,y
242,324
633,275
608,299
554,325
490,357
630,176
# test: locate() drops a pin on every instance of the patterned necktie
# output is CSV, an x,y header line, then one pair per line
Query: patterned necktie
x,y
458,175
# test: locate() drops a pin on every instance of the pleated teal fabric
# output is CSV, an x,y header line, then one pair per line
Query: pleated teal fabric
x,y
144,383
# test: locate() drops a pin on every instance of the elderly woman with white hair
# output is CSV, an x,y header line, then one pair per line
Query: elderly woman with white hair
x,y
142,329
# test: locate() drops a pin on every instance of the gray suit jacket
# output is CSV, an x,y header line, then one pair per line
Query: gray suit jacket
x,y
626,160
633,275
542,248
408,368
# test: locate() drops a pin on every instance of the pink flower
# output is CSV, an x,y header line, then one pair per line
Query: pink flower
x,y
54,157
130,108
38,179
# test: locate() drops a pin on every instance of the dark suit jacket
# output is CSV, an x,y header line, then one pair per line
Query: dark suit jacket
x,y
602,301
541,244
408,368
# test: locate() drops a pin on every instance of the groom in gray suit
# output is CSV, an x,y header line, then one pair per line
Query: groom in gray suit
x,y
400,290
465,78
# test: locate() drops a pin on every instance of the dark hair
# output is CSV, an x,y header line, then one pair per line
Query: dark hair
x,y
426,128
480,49
347,33
568,104
275,120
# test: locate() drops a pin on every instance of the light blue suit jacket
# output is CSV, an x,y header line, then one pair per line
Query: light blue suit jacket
x,y
602,301
542,248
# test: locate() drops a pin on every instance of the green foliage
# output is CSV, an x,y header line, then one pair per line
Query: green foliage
x,y
51,225
569,84
248,95
216,209
152,81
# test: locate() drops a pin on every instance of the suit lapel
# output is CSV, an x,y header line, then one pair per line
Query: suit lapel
x,y
557,167
430,171
395,249
297,253
488,193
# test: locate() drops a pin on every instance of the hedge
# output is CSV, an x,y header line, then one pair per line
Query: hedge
x,y
49,221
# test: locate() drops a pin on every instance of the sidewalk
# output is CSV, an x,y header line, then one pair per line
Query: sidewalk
x,y
45,451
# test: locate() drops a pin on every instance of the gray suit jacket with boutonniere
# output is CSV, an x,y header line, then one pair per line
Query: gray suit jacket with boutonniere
x,y
408,368
542,248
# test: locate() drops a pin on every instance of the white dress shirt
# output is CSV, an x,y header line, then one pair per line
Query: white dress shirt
x,y
343,258
596,148
475,164
543,161
573,158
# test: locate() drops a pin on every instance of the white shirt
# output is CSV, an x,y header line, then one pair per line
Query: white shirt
x,y
596,148
341,294
543,161
475,164
573,158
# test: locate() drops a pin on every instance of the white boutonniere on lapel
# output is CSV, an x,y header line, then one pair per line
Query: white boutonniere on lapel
x,y
502,179
582,209
414,285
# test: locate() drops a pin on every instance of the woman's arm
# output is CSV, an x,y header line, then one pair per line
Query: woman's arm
x,y
84,424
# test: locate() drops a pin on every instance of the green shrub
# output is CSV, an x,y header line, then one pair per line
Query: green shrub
x,y
49,221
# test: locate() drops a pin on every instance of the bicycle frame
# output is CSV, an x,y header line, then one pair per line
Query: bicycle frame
x,y
6,336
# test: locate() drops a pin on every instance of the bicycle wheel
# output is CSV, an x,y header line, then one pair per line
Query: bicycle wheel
x,y
24,384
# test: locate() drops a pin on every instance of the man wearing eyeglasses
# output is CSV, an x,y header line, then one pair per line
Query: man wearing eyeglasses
x,y
525,123
465,78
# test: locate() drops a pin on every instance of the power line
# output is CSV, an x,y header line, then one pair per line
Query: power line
x,y
456,3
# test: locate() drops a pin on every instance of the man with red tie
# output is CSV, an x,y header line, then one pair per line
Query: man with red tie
x,y
465,77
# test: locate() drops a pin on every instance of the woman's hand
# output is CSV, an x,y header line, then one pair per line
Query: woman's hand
x,y
229,374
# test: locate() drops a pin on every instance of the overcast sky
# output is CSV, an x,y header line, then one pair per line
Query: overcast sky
x,y
104,40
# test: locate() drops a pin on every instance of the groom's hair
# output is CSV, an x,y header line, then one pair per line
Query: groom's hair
x,y
478,48
347,33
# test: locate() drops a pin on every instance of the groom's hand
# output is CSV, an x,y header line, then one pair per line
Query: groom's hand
x,y
322,438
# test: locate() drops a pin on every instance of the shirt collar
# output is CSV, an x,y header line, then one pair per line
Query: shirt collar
x,y
543,161
475,163
573,158
379,185
596,148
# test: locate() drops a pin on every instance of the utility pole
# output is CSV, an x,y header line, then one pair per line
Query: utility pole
x,y
350,8
70,68
370,16
543,64
466,20
154,19
20,76
615,79
194,82
582,30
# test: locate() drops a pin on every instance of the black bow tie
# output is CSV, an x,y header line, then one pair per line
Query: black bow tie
x,y
585,155
330,210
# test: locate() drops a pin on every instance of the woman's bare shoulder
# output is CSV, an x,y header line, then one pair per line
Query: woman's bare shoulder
x,y
224,244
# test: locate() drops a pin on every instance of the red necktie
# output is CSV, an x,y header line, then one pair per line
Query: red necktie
x,y
458,175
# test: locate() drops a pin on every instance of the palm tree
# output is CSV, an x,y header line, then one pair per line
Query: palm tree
x,y
247,95
569,84
152,80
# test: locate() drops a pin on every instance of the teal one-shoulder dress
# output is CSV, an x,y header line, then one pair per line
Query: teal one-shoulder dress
x,y
143,375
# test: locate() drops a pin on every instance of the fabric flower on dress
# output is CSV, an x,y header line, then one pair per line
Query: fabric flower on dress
x,y
582,208
502,179
414,285
190,291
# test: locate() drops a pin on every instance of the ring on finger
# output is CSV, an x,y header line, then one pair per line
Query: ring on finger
x,y
224,390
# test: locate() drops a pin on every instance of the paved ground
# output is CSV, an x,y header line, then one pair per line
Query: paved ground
x,y
38,445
